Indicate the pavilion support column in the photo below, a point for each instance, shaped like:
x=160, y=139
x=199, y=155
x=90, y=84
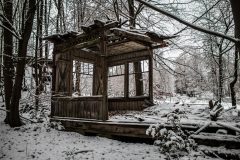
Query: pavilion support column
x=54, y=71
x=54, y=74
x=103, y=86
x=96, y=81
x=126, y=81
x=150, y=76
x=138, y=78
x=104, y=74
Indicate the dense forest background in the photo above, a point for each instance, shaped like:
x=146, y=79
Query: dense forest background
x=195, y=63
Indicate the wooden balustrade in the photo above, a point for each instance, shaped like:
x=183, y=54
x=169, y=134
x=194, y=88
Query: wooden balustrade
x=78, y=107
x=131, y=103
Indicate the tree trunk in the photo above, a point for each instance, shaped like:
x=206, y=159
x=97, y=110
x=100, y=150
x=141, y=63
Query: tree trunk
x=36, y=62
x=8, y=70
x=47, y=8
x=220, y=78
x=38, y=53
x=137, y=65
x=236, y=12
x=235, y=75
x=40, y=45
x=22, y=52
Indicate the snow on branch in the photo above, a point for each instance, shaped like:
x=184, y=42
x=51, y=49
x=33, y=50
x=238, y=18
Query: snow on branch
x=235, y=40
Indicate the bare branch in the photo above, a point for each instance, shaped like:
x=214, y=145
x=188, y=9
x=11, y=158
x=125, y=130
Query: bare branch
x=13, y=33
x=235, y=40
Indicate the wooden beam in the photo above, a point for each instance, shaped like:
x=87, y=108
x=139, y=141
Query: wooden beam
x=78, y=40
x=150, y=68
x=126, y=80
x=131, y=35
x=128, y=57
x=103, y=74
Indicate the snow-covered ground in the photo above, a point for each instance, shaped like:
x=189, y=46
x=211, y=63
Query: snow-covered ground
x=39, y=141
x=195, y=110
x=36, y=141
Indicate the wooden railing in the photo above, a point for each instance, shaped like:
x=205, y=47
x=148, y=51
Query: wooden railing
x=78, y=107
x=131, y=103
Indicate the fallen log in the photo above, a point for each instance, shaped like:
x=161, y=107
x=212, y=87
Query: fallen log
x=84, y=151
x=202, y=128
x=214, y=113
x=216, y=140
x=229, y=126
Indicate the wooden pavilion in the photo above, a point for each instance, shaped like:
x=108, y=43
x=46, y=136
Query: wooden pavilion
x=104, y=45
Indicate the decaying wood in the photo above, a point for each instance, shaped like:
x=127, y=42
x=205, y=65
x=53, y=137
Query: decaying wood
x=79, y=107
x=215, y=112
x=223, y=153
x=157, y=37
x=138, y=130
x=222, y=131
x=150, y=79
x=229, y=109
x=131, y=35
x=202, y=128
x=228, y=126
x=84, y=151
x=130, y=103
x=103, y=45
x=99, y=26
x=216, y=140
x=99, y=23
x=59, y=38
x=210, y=104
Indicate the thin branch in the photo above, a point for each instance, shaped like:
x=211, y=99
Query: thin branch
x=199, y=16
x=235, y=40
x=13, y=33
x=10, y=24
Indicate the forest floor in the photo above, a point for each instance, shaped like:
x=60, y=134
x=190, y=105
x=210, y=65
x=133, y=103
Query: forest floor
x=38, y=141
x=42, y=142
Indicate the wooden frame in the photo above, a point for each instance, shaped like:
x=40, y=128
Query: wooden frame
x=104, y=46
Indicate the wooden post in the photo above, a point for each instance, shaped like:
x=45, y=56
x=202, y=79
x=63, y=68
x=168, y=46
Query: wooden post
x=70, y=79
x=54, y=71
x=150, y=68
x=53, y=80
x=104, y=74
x=126, y=80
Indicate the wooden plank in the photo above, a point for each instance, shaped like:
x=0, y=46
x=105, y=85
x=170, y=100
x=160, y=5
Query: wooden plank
x=138, y=129
x=85, y=107
x=128, y=57
x=131, y=35
x=78, y=40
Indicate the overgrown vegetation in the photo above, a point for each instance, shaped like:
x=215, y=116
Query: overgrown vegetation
x=172, y=141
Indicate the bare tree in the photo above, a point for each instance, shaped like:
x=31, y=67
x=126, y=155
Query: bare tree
x=235, y=10
x=8, y=68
